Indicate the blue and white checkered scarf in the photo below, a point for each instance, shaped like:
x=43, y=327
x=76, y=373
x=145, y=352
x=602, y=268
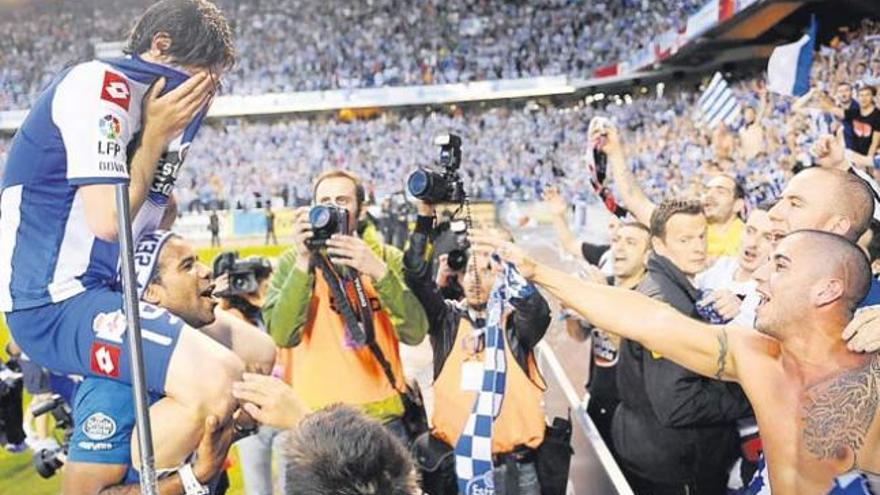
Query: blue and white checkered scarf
x=473, y=452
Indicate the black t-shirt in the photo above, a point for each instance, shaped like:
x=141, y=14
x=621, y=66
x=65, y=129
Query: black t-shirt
x=593, y=252
x=863, y=128
x=603, y=374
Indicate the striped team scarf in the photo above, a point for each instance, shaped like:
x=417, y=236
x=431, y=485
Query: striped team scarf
x=473, y=452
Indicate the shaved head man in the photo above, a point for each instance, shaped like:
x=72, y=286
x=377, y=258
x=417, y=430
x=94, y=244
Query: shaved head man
x=824, y=199
x=815, y=400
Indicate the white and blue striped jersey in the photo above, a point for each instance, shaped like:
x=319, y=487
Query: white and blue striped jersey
x=78, y=133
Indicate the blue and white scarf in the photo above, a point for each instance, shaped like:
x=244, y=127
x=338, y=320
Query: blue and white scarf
x=473, y=452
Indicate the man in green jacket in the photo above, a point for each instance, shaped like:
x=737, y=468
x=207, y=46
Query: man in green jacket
x=327, y=362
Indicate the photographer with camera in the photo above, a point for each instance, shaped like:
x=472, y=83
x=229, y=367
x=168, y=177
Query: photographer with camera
x=339, y=302
x=173, y=285
x=248, y=284
x=459, y=337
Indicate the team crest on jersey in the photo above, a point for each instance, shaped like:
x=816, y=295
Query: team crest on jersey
x=104, y=360
x=110, y=126
x=110, y=326
x=115, y=90
x=99, y=427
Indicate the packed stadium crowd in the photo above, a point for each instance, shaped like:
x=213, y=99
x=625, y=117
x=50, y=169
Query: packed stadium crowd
x=517, y=152
x=733, y=318
x=315, y=45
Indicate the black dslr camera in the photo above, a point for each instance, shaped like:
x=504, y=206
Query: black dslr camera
x=440, y=182
x=49, y=461
x=244, y=275
x=326, y=220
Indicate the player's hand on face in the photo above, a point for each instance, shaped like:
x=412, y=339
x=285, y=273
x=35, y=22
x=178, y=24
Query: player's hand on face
x=355, y=253
x=168, y=115
x=212, y=449
x=269, y=400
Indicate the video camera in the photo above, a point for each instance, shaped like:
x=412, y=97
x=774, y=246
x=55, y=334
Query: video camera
x=326, y=220
x=440, y=182
x=48, y=461
x=244, y=274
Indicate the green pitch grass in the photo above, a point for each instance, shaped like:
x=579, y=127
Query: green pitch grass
x=17, y=477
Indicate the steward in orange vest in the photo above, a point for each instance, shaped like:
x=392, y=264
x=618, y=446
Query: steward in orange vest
x=458, y=366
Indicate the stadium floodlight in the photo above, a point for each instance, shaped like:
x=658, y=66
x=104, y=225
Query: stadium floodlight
x=138, y=383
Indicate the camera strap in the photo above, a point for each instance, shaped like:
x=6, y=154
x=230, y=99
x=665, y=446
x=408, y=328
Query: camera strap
x=343, y=305
x=363, y=335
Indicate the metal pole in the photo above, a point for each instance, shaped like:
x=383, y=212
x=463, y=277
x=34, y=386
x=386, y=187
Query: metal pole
x=138, y=383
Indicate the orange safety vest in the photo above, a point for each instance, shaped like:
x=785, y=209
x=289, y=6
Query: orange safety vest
x=323, y=369
x=521, y=419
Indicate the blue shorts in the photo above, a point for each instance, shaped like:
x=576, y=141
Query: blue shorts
x=104, y=422
x=104, y=425
x=85, y=335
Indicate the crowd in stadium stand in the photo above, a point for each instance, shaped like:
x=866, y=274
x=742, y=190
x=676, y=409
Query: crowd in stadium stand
x=516, y=152
x=291, y=45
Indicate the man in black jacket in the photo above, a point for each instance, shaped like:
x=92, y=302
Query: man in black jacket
x=674, y=430
x=519, y=428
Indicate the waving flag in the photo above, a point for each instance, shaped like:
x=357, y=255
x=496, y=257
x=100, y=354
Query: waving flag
x=788, y=71
x=718, y=104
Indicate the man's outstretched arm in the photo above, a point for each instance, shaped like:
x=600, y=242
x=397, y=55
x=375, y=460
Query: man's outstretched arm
x=705, y=349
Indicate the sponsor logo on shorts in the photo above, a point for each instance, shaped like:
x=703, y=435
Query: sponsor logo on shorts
x=115, y=90
x=95, y=446
x=99, y=426
x=110, y=326
x=105, y=359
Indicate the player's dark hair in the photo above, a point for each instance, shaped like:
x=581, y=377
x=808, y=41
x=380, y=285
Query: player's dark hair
x=200, y=35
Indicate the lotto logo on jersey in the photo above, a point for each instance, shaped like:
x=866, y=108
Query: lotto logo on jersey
x=105, y=360
x=115, y=90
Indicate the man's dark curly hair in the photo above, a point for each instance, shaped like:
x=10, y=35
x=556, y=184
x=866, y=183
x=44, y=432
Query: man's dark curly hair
x=200, y=35
x=338, y=450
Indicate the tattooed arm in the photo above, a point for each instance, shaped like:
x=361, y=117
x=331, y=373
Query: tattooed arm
x=709, y=350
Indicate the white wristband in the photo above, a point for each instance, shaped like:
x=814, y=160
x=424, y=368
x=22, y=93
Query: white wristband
x=191, y=484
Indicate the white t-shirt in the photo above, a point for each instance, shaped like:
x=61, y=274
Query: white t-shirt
x=720, y=276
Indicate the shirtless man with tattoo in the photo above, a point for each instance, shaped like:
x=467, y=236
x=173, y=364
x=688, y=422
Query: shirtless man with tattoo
x=815, y=400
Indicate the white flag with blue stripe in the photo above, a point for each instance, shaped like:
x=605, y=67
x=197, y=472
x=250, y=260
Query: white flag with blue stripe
x=718, y=104
x=788, y=70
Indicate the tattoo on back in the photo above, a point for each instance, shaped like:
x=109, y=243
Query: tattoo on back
x=838, y=412
x=722, y=353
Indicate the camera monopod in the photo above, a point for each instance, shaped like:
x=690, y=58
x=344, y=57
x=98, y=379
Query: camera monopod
x=138, y=383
